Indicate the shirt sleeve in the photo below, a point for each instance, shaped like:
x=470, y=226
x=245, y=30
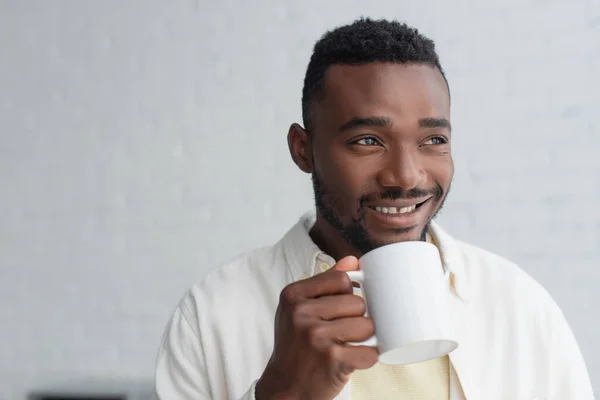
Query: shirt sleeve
x=181, y=370
x=569, y=375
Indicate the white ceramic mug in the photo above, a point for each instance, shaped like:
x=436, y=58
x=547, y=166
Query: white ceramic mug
x=406, y=293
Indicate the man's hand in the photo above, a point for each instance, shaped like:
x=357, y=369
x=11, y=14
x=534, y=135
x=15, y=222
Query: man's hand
x=314, y=320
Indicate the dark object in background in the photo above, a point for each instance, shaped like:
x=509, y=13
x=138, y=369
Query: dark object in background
x=75, y=396
x=94, y=388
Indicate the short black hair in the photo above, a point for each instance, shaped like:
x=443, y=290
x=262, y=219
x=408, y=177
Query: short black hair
x=361, y=42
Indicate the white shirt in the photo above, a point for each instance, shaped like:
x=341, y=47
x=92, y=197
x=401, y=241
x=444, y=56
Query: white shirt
x=514, y=342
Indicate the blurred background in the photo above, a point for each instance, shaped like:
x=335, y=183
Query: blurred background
x=142, y=143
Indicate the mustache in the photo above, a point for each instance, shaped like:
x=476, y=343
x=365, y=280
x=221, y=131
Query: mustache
x=399, y=193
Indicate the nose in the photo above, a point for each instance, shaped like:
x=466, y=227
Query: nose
x=403, y=170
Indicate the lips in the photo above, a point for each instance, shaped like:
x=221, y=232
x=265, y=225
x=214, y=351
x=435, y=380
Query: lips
x=397, y=207
x=397, y=214
x=395, y=210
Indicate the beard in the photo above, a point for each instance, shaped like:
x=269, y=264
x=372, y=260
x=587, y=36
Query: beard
x=355, y=233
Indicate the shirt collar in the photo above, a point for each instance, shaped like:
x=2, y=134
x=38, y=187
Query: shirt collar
x=452, y=260
x=302, y=253
x=300, y=250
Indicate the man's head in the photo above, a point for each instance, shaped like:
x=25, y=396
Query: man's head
x=376, y=136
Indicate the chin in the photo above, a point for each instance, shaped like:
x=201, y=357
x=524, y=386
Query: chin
x=416, y=234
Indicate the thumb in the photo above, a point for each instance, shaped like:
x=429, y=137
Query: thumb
x=349, y=263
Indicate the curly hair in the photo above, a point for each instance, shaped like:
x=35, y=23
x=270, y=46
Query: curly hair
x=361, y=42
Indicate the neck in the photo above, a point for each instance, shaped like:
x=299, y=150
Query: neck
x=329, y=240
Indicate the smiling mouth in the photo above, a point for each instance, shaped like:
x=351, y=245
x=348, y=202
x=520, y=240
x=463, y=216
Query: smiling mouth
x=397, y=210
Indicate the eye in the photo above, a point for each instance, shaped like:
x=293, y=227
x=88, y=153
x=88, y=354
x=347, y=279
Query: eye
x=367, y=141
x=436, y=140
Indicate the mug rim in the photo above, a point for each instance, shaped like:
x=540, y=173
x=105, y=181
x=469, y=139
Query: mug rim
x=398, y=244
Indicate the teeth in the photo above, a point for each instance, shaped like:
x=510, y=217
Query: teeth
x=394, y=210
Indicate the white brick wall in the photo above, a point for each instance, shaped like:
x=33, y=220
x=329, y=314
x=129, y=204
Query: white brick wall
x=143, y=142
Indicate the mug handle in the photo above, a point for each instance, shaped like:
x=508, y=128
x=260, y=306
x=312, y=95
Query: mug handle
x=359, y=277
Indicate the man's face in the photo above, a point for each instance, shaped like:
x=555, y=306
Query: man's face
x=381, y=160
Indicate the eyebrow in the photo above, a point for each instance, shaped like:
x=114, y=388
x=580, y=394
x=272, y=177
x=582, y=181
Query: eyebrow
x=385, y=122
x=356, y=122
x=435, y=123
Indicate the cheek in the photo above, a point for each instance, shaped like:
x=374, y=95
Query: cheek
x=449, y=172
x=346, y=179
x=441, y=170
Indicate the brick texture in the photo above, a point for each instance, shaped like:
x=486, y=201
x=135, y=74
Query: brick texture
x=143, y=142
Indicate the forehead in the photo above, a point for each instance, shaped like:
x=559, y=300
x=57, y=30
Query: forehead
x=402, y=92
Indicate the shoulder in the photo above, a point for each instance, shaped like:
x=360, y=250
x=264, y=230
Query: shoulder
x=238, y=288
x=242, y=270
x=492, y=280
x=493, y=276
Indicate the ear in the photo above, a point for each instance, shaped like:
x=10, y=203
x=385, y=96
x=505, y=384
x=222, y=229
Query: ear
x=300, y=145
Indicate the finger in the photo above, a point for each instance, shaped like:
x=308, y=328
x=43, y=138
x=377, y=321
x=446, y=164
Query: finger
x=333, y=307
x=358, y=357
x=343, y=330
x=348, y=358
x=328, y=283
x=349, y=263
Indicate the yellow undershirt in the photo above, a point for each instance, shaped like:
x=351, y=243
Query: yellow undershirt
x=428, y=380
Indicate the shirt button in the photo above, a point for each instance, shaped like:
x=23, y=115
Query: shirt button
x=324, y=267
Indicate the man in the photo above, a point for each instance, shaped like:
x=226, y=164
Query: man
x=275, y=323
